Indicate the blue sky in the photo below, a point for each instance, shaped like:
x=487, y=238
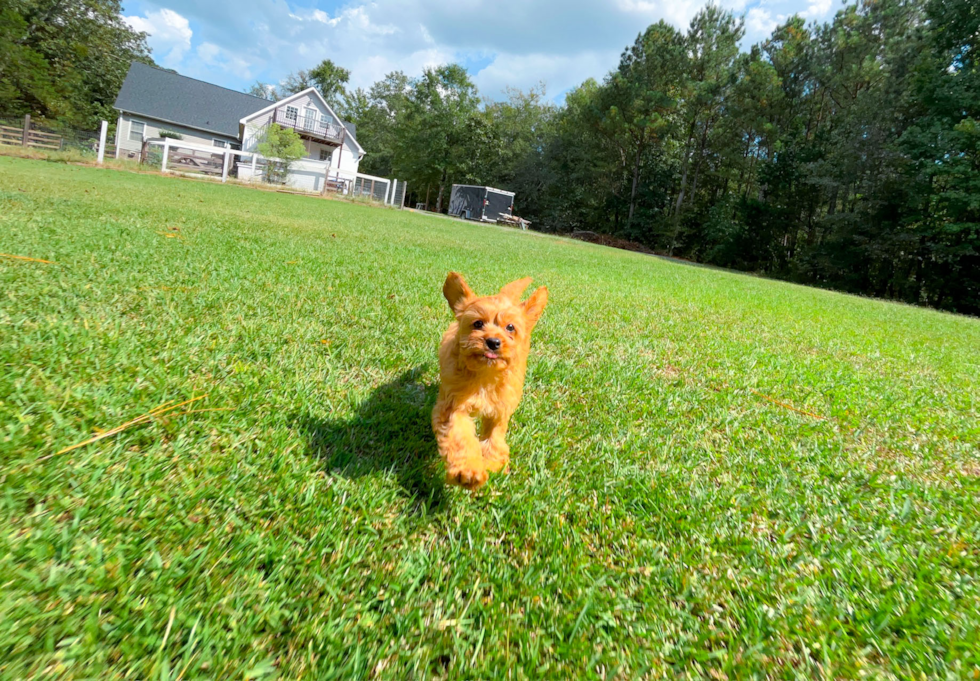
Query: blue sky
x=516, y=43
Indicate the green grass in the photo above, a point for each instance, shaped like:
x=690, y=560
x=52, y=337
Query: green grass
x=671, y=509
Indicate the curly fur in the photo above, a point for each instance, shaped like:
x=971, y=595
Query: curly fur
x=481, y=379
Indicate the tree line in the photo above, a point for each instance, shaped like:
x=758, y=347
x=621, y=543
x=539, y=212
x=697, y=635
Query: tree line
x=844, y=154
x=65, y=60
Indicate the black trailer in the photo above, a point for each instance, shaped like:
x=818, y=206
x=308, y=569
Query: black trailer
x=480, y=203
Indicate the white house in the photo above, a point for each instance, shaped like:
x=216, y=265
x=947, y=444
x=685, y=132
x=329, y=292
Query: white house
x=153, y=100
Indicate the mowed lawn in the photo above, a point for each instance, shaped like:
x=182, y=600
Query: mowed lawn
x=713, y=474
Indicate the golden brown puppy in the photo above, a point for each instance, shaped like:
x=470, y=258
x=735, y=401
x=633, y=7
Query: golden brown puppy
x=482, y=360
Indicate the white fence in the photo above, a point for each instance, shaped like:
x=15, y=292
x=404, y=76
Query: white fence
x=177, y=156
x=303, y=175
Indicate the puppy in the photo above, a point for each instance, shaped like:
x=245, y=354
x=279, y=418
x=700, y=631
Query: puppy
x=482, y=360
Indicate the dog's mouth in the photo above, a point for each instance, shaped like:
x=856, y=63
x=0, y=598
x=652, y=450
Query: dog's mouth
x=488, y=359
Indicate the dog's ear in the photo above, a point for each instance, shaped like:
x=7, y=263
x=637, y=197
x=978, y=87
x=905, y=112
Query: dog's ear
x=534, y=306
x=457, y=292
x=514, y=289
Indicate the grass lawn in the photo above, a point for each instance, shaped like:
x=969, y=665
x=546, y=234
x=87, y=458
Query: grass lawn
x=712, y=474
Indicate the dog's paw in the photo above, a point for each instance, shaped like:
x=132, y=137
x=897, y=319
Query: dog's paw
x=469, y=474
x=496, y=461
x=496, y=456
x=497, y=465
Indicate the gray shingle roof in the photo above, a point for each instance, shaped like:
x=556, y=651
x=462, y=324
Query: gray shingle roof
x=168, y=96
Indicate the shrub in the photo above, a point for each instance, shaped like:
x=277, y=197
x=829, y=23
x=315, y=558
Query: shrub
x=282, y=147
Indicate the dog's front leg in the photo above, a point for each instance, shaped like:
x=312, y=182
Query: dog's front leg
x=493, y=433
x=456, y=437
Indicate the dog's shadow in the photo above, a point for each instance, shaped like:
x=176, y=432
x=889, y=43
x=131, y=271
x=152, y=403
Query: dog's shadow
x=391, y=432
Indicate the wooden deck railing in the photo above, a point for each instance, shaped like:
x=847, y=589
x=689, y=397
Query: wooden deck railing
x=313, y=128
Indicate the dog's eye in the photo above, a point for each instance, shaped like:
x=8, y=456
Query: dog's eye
x=478, y=324
x=510, y=327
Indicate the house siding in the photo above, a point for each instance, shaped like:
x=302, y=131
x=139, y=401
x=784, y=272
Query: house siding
x=255, y=128
x=304, y=174
x=129, y=148
x=348, y=159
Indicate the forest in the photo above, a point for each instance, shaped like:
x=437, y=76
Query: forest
x=844, y=155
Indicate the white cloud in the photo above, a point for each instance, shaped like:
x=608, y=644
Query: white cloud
x=210, y=57
x=369, y=69
x=360, y=20
x=315, y=15
x=213, y=56
x=170, y=35
x=638, y=6
x=209, y=53
x=558, y=72
x=759, y=21
x=817, y=9
x=356, y=18
x=517, y=43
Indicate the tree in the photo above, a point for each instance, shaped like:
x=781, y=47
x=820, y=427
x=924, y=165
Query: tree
x=523, y=126
x=584, y=169
x=331, y=80
x=328, y=78
x=712, y=48
x=296, y=81
x=942, y=144
x=282, y=146
x=263, y=90
x=378, y=113
x=65, y=61
x=440, y=137
x=640, y=99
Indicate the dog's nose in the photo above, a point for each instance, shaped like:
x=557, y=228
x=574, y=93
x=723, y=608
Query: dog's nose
x=493, y=343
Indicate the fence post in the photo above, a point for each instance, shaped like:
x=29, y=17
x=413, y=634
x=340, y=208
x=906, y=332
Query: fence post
x=102, y=136
x=390, y=193
x=166, y=153
x=255, y=158
x=224, y=168
x=404, y=194
x=326, y=178
x=27, y=130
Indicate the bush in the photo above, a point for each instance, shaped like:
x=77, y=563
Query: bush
x=171, y=134
x=282, y=147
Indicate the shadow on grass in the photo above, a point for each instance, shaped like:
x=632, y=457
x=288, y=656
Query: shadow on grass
x=392, y=431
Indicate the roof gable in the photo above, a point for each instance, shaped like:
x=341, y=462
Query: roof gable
x=168, y=96
x=312, y=91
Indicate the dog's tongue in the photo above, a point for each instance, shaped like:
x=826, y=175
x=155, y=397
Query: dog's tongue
x=490, y=355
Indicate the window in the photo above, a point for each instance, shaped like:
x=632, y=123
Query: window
x=219, y=143
x=324, y=120
x=325, y=154
x=291, y=113
x=136, y=131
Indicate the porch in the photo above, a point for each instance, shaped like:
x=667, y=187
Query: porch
x=309, y=125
